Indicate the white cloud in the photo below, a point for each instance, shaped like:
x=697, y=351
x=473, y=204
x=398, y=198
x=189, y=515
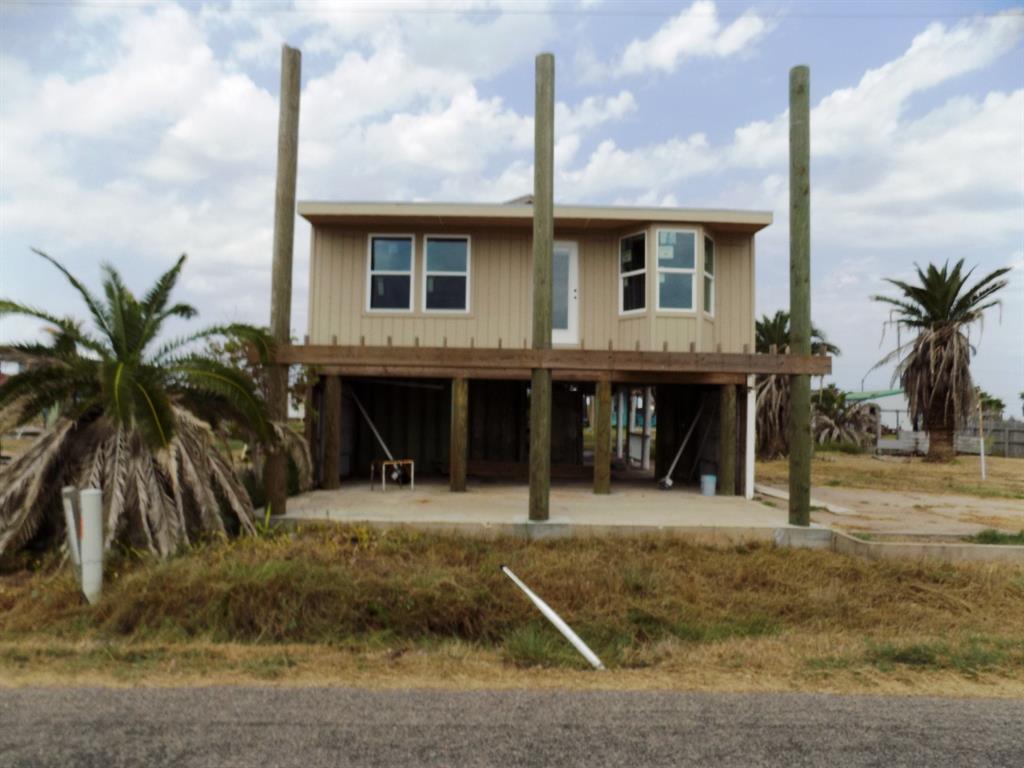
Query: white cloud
x=610, y=168
x=869, y=113
x=694, y=32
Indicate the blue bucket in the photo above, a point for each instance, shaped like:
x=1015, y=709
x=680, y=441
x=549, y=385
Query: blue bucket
x=707, y=485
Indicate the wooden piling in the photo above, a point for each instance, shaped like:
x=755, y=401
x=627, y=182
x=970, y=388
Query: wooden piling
x=276, y=468
x=603, y=437
x=332, y=432
x=799, y=293
x=543, y=242
x=727, y=441
x=458, y=450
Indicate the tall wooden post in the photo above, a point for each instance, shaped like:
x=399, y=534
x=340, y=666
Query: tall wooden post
x=458, y=447
x=332, y=432
x=276, y=469
x=603, y=438
x=799, y=293
x=727, y=441
x=543, y=242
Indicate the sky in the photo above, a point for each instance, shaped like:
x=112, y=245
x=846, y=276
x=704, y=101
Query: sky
x=131, y=132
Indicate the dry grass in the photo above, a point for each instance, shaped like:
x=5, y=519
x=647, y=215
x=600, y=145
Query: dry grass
x=347, y=605
x=1005, y=476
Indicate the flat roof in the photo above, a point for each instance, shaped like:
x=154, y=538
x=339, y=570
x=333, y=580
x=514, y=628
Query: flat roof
x=493, y=214
x=876, y=394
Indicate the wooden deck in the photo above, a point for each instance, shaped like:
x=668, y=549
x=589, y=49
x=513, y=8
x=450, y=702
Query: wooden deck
x=564, y=364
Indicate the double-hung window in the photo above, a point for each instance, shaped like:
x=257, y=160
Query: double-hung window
x=391, y=273
x=709, y=275
x=633, y=273
x=677, y=258
x=446, y=274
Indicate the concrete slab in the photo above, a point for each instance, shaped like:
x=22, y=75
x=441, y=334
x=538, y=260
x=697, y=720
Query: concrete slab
x=499, y=508
x=489, y=510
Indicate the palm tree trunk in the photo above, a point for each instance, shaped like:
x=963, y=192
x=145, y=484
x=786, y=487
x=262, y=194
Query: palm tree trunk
x=940, y=435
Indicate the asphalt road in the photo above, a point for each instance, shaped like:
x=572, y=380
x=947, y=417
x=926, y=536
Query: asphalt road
x=341, y=727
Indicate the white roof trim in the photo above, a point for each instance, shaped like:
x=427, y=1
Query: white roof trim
x=319, y=210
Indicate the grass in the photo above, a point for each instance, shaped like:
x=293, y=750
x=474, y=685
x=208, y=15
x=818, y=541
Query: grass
x=1005, y=476
x=350, y=604
x=992, y=536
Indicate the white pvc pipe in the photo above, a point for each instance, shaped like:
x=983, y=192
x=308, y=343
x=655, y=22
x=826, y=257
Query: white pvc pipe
x=619, y=418
x=751, y=443
x=71, y=528
x=645, y=461
x=981, y=438
x=92, y=543
x=555, y=619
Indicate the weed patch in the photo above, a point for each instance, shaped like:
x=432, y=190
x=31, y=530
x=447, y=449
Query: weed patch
x=992, y=536
x=635, y=601
x=968, y=657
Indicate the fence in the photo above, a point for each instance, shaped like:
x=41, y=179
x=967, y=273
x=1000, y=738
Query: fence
x=1001, y=439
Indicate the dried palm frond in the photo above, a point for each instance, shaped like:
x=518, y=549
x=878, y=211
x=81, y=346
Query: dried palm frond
x=834, y=420
x=133, y=419
x=934, y=366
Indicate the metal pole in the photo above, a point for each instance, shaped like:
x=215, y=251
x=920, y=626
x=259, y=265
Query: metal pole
x=799, y=293
x=543, y=243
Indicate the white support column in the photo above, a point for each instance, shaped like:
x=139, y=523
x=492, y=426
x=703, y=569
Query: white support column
x=751, y=438
x=645, y=458
x=619, y=418
x=631, y=412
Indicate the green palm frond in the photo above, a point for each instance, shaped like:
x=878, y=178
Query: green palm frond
x=96, y=309
x=774, y=331
x=258, y=338
x=933, y=367
x=233, y=387
x=131, y=420
x=65, y=327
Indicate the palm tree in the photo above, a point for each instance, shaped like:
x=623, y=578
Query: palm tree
x=934, y=367
x=835, y=420
x=135, y=418
x=773, y=391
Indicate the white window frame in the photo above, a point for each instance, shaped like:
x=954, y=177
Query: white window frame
x=370, y=272
x=622, y=275
x=675, y=271
x=427, y=274
x=705, y=275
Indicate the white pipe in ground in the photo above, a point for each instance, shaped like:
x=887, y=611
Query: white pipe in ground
x=71, y=528
x=92, y=543
x=555, y=619
x=751, y=440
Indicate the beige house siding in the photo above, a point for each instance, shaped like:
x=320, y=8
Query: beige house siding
x=500, y=288
x=734, y=294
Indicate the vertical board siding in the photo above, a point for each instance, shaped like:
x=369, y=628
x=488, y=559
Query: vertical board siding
x=500, y=295
x=734, y=294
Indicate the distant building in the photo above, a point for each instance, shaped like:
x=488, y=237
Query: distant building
x=893, y=409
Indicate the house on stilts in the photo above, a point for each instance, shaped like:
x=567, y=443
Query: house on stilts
x=420, y=319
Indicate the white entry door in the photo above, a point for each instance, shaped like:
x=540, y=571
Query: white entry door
x=565, y=294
